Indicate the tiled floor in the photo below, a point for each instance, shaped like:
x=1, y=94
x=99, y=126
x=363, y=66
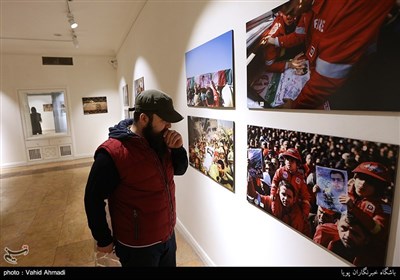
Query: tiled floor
x=42, y=207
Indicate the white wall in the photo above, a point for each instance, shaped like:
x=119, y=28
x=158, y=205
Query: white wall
x=89, y=76
x=224, y=228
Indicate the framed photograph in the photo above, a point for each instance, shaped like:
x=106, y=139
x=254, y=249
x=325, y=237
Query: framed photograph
x=332, y=190
x=210, y=74
x=48, y=107
x=139, y=86
x=94, y=105
x=125, y=95
x=290, y=65
x=211, y=149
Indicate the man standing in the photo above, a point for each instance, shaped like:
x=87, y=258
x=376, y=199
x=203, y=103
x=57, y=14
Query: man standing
x=134, y=170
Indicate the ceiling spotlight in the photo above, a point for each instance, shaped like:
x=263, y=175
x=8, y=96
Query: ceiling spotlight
x=72, y=22
x=73, y=25
x=74, y=39
x=75, y=42
x=70, y=16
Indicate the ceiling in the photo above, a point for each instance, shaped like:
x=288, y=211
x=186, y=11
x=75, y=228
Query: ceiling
x=41, y=26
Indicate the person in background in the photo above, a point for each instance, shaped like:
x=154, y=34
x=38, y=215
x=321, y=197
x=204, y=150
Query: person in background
x=36, y=119
x=134, y=169
x=291, y=173
x=367, y=218
x=365, y=201
x=352, y=242
x=288, y=211
x=322, y=222
x=284, y=42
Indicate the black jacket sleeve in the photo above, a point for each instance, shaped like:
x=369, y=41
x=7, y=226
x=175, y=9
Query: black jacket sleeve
x=179, y=160
x=103, y=179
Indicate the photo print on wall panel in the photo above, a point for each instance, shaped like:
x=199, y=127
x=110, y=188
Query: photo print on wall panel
x=336, y=191
x=125, y=95
x=210, y=74
x=303, y=55
x=139, y=86
x=212, y=149
x=94, y=105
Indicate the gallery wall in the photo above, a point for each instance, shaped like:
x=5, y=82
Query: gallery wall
x=222, y=226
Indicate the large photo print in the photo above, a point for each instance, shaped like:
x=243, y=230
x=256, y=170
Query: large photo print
x=336, y=191
x=330, y=55
x=210, y=75
x=211, y=149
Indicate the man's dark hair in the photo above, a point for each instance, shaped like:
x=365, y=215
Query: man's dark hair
x=136, y=116
x=336, y=172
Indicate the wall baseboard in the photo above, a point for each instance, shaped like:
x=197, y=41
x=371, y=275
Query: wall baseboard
x=189, y=238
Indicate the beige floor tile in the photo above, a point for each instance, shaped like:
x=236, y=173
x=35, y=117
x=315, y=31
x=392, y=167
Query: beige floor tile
x=185, y=255
x=75, y=214
x=75, y=254
x=74, y=232
x=50, y=212
x=12, y=233
x=29, y=201
x=193, y=263
x=25, y=216
x=41, y=226
x=42, y=240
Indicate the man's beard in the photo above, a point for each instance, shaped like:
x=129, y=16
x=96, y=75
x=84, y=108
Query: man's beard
x=156, y=140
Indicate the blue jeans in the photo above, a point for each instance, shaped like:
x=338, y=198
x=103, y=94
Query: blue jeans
x=161, y=254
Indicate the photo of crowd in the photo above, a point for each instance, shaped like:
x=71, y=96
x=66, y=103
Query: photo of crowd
x=325, y=55
x=139, y=86
x=211, y=149
x=336, y=191
x=209, y=73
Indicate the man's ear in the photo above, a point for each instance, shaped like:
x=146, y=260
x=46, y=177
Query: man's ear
x=143, y=118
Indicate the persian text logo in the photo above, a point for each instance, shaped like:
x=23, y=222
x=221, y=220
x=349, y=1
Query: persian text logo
x=9, y=256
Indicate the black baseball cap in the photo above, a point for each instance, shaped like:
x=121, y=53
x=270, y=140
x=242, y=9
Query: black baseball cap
x=157, y=102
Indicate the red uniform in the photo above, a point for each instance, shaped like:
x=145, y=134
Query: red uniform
x=271, y=53
x=283, y=40
x=325, y=233
x=340, y=34
x=291, y=216
x=296, y=179
x=372, y=212
x=298, y=36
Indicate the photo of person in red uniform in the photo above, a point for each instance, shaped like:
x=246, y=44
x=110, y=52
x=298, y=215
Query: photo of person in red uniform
x=346, y=45
x=291, y=172
x=361, y=191
x=286, y=207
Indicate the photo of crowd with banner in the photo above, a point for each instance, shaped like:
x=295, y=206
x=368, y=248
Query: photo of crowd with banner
x=304, y=55
x=211, y=149
x=209, y=73
x=336, y=191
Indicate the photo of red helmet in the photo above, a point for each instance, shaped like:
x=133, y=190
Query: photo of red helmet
x=374, y=169
x=293, y=153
